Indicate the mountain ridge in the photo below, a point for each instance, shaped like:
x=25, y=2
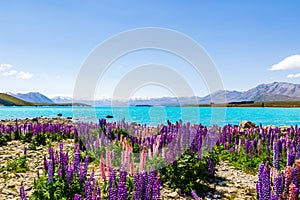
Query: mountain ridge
x=276, y=91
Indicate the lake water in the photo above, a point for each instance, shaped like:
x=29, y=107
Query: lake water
x=156, y=115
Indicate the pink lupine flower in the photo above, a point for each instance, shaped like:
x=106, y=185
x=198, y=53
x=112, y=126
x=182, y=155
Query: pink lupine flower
x=102, y=169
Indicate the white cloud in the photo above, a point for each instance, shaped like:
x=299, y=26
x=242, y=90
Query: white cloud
x=293, y=75
x=10, y=73
x=24, y=75
x=4, y=67
x=19, y=74
x=291, y=62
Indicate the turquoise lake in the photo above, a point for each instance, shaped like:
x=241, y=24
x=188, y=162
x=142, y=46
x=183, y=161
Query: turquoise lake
x=155, y=115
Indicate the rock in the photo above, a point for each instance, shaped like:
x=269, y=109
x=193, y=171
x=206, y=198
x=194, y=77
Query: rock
x=9, y=192
x=247, y=124
x=178, y=191
x=173, y=195
x=109, y=116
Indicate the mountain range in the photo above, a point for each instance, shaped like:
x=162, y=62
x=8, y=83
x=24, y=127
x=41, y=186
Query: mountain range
x=33, y=97
x=276, y=91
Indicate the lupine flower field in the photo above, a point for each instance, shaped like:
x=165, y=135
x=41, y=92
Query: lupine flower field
x=137, y=161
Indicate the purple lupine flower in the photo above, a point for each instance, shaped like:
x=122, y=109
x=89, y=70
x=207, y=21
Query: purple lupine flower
x=266, y=187
x=276, y=155
x=50, y=171
x=247, y=146
x=22, y=193
x=259, y=182
x=150, y=181
x=112, y=190
x=45, y=164
x=156, y=188
x=76, y=160
x=88, y=190
x=210, y=166
x=199, y=146
x=83, y=170
x=56, y=158
x=274, y=197
x=278, y=181
x=195, y=196
x=98, y=194
x=25, y=151
x=122, y=190
x=290, y=158
x=70, y=174
x=142, y=184
x=136, y=186
x=51, y=153
x=77, y=197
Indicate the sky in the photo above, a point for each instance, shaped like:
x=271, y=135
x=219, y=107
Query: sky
x=43, y=44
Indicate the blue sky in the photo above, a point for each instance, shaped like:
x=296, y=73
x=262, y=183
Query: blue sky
x=44, y=43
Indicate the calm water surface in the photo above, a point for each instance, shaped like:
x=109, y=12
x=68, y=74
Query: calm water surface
x=156, y=115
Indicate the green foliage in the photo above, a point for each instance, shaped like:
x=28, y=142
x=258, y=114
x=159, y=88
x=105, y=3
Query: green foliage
x=2, y=139
x=57, y=190
x=187, y=171
x=17, y=135
x=18, y=166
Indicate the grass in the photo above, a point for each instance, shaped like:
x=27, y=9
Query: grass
x=8, y=100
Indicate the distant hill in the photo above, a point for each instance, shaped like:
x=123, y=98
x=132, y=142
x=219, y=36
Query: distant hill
x=8, y=100
x=34, y=97
x=276, y=91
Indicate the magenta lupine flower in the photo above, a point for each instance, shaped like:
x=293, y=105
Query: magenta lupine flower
x=195, y=196
x=293, y=192
x=122, y=190
x=131, y=169
x=112, y=188
x=210, y=166
x=142, y=161
x=288, y=176
x=297, y=166
x=50, y=171
x=22, y=193
x=77, y=197
x=239, y=146
x=102, y=169
x=108, y=160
